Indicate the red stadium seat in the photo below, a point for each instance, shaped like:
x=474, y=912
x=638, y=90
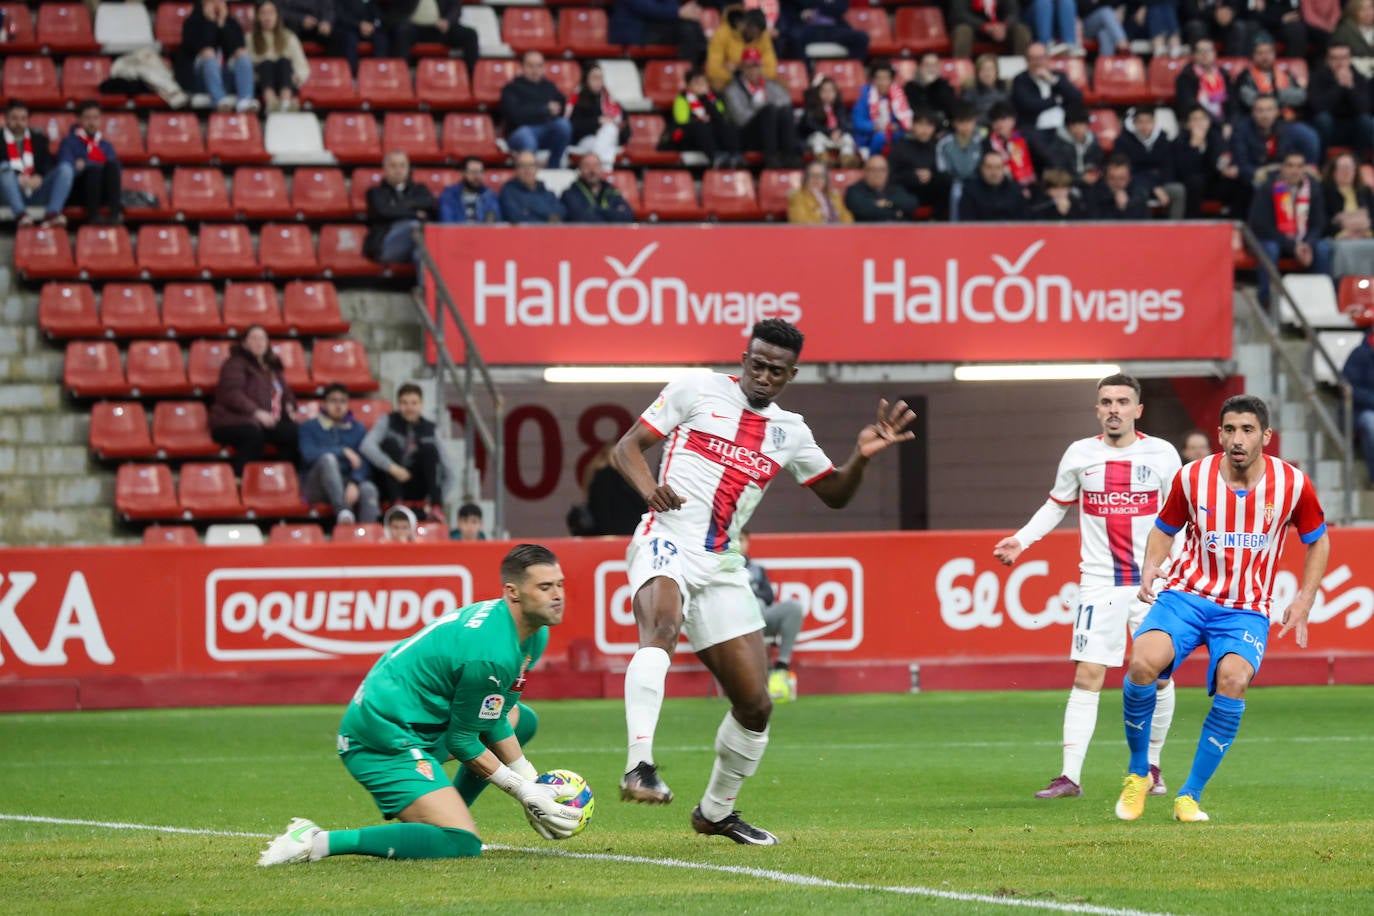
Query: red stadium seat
x=208, y=490
x=496, y=179
x=529, y=28
x=68, y=310
x=288, y=250
x=385, y=83
x=200, y=193
x=642, y=148
x=628, y=186
x=171, y=17
x=566, y=75
x=57, y=124
x=33, y=80
x=170, y=535
x=260, y=193
x=147, y=181
x=431, y=532
x=583, y=33
x=663, y=80
x=793, y=77
x=341, y=252
x=1121, y=81
x=293, y=368
x=849, y=74
x=774, y=186
x=1076, y=71
x=412, y=133
x=92, y=368
x=130, y=310
x=23, y=38
x=957, y=71
x=122, y=130
x=119, y=429
x=669, y=194
x=353, y=137
x=320, y=194
x=343, y=361
x=1164, y=73
x=843, y=178
x=181, y=429
x=105, y=252
x=65, y=28
x=489, y=77
x=191, y=310
x=175, y=138
x=921, y=29
x=437, y=180
x=312, y=307
x=235, y=139
x=250, y=303
x=202, y=368
x=156, y=369
x=1106, y=125
x=271, y=490
x=368, y=411
x=145, y=491
x=40, y=253
x=165, y=250
x=1357, y=299
x=878, y=27
x=359, y=183
x=330, y=85
x=1295, y=67
x=305, y=533
x=82, y=76
x=226, y=250
x=728, y=194
x=442, y=85
x=471, y=135
x=369, y=533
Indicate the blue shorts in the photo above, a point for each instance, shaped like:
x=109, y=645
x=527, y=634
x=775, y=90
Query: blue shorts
x=1192, y=621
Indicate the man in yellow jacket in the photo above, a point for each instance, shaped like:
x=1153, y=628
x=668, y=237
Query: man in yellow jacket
x=741, y=29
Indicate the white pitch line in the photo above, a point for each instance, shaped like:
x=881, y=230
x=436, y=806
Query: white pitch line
x=767, y=874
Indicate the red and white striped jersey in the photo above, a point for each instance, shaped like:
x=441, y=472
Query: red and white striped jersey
x=721, y=456
x=1234, y=538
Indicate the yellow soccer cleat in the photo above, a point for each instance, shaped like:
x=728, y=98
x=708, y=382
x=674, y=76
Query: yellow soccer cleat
x=1186, y=810
x=1131, y=804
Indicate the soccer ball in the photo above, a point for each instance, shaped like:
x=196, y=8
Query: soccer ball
x=573, y=791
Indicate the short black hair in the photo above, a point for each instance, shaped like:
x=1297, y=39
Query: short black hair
x=1001, y=110
x=925, y=114
x=879, y=65
x=469, y=160
x=409, y=388
x=1246, y=403
x=1116, y=160
x=15, y=104
x=692, y=74
x=470, y=510
x=963, y=111
x=1077, y=114
x=779, y=333
x=334, y=388
x=87, y=106
x=522, y=557
x=1121, y=378
x=1196, y=432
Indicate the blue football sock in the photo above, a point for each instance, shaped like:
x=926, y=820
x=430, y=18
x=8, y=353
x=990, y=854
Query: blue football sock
x=1218, y=733
x=1138, y=709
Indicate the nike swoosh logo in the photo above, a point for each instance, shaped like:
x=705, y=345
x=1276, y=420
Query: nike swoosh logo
x=721, y=416
x=1090, y=473
x=299, y=832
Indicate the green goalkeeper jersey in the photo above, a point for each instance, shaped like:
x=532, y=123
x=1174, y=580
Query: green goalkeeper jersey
x=450, y=684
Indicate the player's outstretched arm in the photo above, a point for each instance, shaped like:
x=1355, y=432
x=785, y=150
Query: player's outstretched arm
x=550, y=819
x=1313, y=568
x=628, y=458
x=1157, y=548
x=839, y=488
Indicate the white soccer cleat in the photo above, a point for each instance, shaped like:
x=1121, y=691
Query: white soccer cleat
x=294, y=846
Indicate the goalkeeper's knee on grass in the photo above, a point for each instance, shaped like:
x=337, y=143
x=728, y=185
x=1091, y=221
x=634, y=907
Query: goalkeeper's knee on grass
x=405, y=841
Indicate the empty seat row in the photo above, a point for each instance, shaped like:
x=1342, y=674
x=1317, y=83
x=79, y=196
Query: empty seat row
x=57, y=28
x=303, y=533
x=306, y=307
x=173, y=137
x=205, y=490
x=158, y=368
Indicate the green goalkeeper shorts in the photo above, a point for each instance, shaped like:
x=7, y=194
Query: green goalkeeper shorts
x=394, y=778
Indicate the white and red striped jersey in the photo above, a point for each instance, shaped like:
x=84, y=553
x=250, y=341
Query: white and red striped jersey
x=720, y=457
x=1234, y=538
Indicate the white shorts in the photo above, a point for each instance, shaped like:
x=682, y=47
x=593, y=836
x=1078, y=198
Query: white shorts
x=1106, y=613
x=717, y=602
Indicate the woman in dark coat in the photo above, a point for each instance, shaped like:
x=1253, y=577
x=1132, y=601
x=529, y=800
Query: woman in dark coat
x=253, y=404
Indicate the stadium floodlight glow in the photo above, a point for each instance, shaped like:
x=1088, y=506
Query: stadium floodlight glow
x=624, y=375
x=1034, y=372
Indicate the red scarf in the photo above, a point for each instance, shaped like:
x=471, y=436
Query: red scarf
x=886, y=119
x=1211, y=91
x=699, y=105
x=609, y=108
x=21, y=161
x=758, y=92
x=1291, y=208
x=1018, y=157
x=987, y=7
x=832, y=121
x=94, y=153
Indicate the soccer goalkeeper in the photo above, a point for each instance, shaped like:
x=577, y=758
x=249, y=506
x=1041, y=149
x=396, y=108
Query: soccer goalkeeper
x=449, y=689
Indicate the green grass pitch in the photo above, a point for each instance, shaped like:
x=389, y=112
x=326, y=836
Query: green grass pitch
x=879, y=801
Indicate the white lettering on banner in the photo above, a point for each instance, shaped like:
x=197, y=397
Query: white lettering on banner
x=1011, y=298
x=964, y=607
x=76, y=619
x=830, y=589
x=1357, y=603
x=531, y=301
x=319, y=613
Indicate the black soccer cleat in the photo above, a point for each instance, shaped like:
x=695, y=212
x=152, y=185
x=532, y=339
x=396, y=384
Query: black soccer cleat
x=643, y=785
x=733, y=827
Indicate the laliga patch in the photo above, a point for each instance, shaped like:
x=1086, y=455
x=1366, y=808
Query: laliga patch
x=425, y=769
x=492, y=706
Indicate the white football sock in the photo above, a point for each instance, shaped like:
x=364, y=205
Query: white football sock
x=1163, y=718
x=319, y=846
x=644, y=688
x=738, y=752
x=1080, y=720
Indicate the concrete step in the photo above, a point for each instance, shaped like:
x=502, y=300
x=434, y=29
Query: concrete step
x=21, y=340
x=37, y=367
x=17, y=308
x=25, y=398
x=45, y=428
x=35, y=491
x=53, y=460
x=38, y=527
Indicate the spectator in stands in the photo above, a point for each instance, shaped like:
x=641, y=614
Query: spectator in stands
x=610, y=506
x=332, y=466
x=816, y=201
x=988, y=89
x=1152, y=161
x=592, y=199
x=1356, y=30
x=762, y=112
x=1206, y=85
x=524, y=199
x=399, y=525
x=991, y=196
x=407, y=22
x=659, y=22
x=278, y=60
x=1075, y=148
x=958, y=152
x=1102, y=25
x=1341, y=103
x=1115, y=197
x=1196, y=446
x=95, y=168
x=1263, y=76
x=533, y=109
x=1264, y=138
x=1056, y=18
x=1005, y=140
x=742, y=30
x=1229, y=23
x=929, y=89
x=214, y=59
x=30, y=175
x=1283, y=20
x=701, y=124
x=469, y=526
x=995, y=21
x=1041, y=96
x=409, y=462
x=1060, y=204
x=339, y=25
x=916, y=164
x=1288, y=216
x=881, y=114
x=808, y=21
x=1322, y=18
x=1204, y=164
x=253, y=404
x=598, y=123
x=1359, y=372
x=1349, y=204
x=470, y=200
x=878, y=200
x=396, y=207
x=782, y=618
x=825, y=126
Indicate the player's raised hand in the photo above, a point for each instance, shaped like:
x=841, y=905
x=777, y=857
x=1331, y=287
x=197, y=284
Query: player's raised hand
x=663, y=499
x=1007, y=551
x=890, y=428
x=1295, y=619
x=1148, y=575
